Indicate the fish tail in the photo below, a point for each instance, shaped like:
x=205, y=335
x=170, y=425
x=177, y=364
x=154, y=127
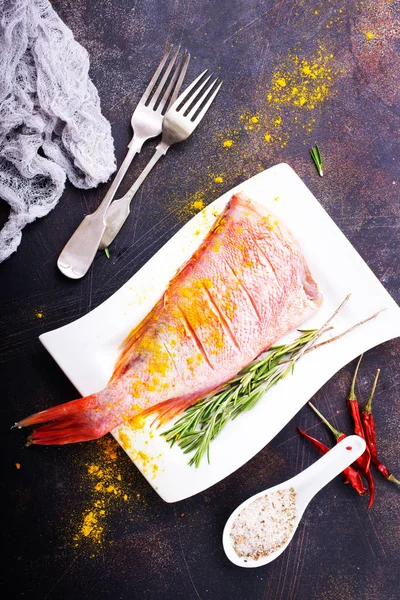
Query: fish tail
x=65, y=424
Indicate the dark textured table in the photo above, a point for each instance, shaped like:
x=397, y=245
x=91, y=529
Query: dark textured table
x=341, y=58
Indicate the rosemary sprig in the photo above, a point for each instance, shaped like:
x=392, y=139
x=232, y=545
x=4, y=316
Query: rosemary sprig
x=316, y=156
x=200, y=424
x=107, y=252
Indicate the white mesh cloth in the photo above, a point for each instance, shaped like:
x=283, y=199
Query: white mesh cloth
x=51, y=126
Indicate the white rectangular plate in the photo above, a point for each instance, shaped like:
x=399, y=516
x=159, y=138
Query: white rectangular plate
x=86, y=350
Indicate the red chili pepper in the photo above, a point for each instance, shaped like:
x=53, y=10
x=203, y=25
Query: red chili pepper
x=322, y=449
x=354, y=478
x=364, y=461
x=359, y=463
x=370, y=434
x=351, y=475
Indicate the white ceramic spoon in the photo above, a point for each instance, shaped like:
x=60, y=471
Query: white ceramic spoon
x=306, y=484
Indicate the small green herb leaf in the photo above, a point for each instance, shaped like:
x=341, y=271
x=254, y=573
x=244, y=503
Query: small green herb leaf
x=316, y=156
x=107, y=252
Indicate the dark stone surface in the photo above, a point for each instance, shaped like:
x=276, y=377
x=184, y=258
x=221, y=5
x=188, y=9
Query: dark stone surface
x=152, y=549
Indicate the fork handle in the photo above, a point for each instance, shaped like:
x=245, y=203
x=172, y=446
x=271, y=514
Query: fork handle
x=118, y=212
x=135, y=145
x=80, y=250
x=160, y=150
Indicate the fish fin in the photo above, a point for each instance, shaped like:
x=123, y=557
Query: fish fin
x=65, y=424
x=167, y=410
x=309, y=285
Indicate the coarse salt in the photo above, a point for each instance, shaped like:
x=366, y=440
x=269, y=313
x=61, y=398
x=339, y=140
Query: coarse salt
x=265, y=525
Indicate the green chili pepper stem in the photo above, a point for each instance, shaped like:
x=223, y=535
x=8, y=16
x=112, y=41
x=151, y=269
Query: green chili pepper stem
x=335, y=432
x=368, y=406
x=352, y=395
x=393, y=478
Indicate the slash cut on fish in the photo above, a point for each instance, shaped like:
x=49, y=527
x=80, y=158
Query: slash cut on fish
x=246, y=286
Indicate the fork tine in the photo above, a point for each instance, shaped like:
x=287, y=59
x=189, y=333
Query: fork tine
x=207, y=105
x=181, y=100
x=174, y=86
x=160, y=86
x=199, y=98
x=180, y=79
x=153, y=80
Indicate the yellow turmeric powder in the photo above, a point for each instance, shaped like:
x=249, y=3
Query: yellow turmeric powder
x=287, y=105
x=198, y=205
x=301, y=81
x=148, y=464
x=298, y=88
x=106, y=487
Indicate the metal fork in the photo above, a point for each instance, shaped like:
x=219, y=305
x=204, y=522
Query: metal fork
x=179, y=122
x=146, y=123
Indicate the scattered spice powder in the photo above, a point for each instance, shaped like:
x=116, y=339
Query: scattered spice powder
x=106, y=487
x=18, y=465
x=198, y=205
x=288, y=105
x=91, y=525
x=298, y=86
x=265, y=525
x=374, y=47
x=194, y=203
x=148, y=464
x=290, y=101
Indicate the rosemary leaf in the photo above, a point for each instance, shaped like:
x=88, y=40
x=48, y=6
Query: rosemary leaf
x=316, y=156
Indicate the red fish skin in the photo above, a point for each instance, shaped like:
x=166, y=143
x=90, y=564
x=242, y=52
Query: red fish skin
x=245, y=287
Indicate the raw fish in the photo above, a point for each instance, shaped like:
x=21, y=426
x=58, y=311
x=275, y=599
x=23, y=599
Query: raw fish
x=245, y=287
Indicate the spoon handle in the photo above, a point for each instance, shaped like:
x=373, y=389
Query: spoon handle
x=331, y=464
